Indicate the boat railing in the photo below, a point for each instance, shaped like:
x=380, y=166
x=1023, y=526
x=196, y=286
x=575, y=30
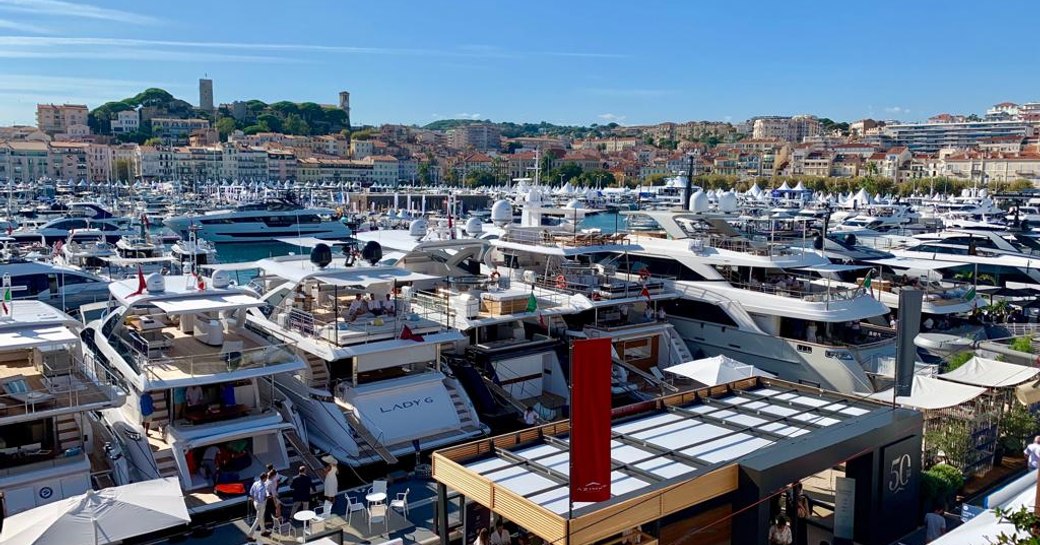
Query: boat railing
x=72, y=384
x=700, y=242
x=338, y=326
x=818, y=294
x=232, y=358
x=448, y=303
x=562, y=239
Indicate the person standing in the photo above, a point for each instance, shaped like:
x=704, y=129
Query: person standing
x=501, y=536
x=274, y=507
x=1032, y=453
x=800, y=514
x=147, y=412
x=780, y=532
x=482, y=537
x=934, y=524
x=179, y=400
x=530, y=417
x=302, y=489
x=258, y=495
x=331, y=485
x=194, y=396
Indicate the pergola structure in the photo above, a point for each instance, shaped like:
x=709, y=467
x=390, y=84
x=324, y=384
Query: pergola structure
x=673, y=454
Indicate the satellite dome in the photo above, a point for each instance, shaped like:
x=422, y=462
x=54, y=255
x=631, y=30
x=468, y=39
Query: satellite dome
x=220, y=279
x=155, y=283
x=474, y=227
x=699, y=202
x=321, y=255
x=417, y=228
x=372, y=252
x=502, y=213
x=728, y=202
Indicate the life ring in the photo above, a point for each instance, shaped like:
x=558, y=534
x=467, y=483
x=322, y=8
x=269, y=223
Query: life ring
x=561, y=281
x=495, y=275
x=644, y=274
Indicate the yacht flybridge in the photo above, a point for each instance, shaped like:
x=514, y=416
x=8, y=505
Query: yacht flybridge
x=757, y=302
x=45, y=437
x=263, y=221
x=180, y=345
x=373, y=388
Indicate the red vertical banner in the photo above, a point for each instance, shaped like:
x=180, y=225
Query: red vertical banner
x=590, y=420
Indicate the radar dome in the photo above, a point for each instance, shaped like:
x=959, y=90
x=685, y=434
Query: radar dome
x=220, y=279
x=502, y=213
x=155, y=283
x=321, y=255
x=372, y=252
x=699, y=201
x=728, y=202
x=574, y=204
x=417, y=228
x=474, y=227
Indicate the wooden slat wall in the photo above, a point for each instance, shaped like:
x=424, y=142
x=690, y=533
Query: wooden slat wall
x=463, y=481
x=650, y=507
x=528, y=515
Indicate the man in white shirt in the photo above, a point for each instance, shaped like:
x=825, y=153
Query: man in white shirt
x=500, y=536
x=1032, y=453
x=258, y=495
x=389, y=306
x=357, y=306
x=194, y=396
x=530, y=417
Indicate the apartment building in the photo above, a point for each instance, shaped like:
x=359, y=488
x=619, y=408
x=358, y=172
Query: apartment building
x=478, y=136
x=281, y=164
x=932, y=137
x=62, y=118
x=24, y=161
x=317, y=169
x=991, y=167
x=384, y=169
x=788, y=129
x=126, y=121
x=176, y=129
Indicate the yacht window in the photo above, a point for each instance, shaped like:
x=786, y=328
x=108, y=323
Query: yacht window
x=697, y=310
x=34, y=284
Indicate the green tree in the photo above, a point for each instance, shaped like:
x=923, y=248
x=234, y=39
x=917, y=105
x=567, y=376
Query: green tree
x=564, y=173
x=655, y=179
x=270, y=122
x=294, y=124
x=154, y=141
x=226, y=126
x=478, y=178
x=1026, y=523
x=424, y=173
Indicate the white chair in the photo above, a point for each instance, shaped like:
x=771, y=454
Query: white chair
x=378, y=487
x=401, y=501
x=377, y=513
x=285, y=528
x=352, y=506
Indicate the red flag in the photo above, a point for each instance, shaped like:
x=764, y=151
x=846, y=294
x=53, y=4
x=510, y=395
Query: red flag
x=408, y=335
x=201, y=281
x=140, y=282
x=590, y=420
x=645, y=293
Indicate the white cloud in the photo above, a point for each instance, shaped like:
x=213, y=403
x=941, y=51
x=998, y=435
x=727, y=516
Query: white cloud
x=60, y=8
x=614, y=118
x=896, y=110
x=466, y=116
x=24, y=27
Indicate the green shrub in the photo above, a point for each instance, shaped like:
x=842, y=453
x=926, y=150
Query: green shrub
x=958, y=360
x=1017, y=424
x=940, y=483
x=1022, y=344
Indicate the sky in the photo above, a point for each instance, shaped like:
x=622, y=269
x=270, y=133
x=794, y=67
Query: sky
x=565, y=62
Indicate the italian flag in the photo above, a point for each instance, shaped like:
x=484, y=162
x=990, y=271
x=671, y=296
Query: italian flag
x=6, y=303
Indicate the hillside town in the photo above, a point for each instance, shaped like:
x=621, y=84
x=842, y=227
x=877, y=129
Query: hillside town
x=162, y=138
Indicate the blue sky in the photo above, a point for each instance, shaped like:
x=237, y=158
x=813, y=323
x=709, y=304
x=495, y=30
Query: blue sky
x=559, y=61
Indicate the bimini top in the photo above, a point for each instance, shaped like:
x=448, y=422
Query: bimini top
x=299, y=268
x=181, y=295
x=35, y=324
x=671, y=440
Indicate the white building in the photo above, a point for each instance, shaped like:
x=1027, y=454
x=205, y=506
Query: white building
x=126, y=121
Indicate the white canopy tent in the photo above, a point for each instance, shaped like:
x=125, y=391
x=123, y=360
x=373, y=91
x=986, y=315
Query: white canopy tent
x=716, y=370
x=97, y=518
x=929, y=394
x=991, y=373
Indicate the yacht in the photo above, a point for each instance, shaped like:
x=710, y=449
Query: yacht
x=373, y=388
x=57, y=285
x=261, y=222
x=993, y=257
x=85, y=249
x=758, y=303
x=46, y=443
x=59, y=229
x=173, y=339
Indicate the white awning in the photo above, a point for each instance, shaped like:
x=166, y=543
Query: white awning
x=991, y=373
x=915, y=264
x=117, y=260
x=931, y=394
x=716, y=370
x=36, y=337
x=364, y=277
x=207, y=303
x=310, y=242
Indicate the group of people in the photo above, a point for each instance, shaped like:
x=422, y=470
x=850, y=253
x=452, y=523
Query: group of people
x=499, y=536
x=373, y=305
x=264, y=496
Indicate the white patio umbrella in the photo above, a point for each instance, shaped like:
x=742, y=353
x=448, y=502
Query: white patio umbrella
x=716, y=370
x=98, y=518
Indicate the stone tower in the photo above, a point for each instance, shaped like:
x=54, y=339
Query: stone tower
x=206, y=94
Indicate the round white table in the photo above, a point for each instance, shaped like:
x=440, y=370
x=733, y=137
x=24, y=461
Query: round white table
x=376, y=497
x=305, y=517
